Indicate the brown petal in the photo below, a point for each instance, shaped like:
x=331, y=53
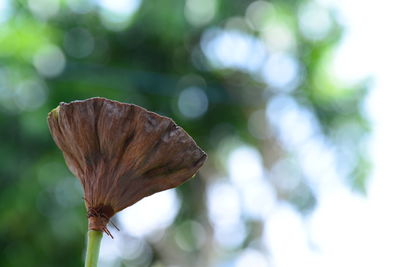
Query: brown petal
x=122, y=152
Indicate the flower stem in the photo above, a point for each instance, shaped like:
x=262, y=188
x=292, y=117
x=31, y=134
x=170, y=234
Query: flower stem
x=93, y=248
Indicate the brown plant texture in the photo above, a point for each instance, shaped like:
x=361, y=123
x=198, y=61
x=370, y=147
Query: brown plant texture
x=121, y=153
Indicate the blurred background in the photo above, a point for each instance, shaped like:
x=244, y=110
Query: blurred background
x=294, y=101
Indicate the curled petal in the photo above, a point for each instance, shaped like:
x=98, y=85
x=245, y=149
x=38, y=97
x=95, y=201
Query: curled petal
x=121, y=153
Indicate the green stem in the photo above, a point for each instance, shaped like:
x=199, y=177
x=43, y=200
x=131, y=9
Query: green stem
x=93, y=248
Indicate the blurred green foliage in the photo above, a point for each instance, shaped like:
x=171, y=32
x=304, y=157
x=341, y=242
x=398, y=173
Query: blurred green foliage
x=59, y=51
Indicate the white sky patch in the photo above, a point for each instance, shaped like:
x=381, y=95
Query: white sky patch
x=286, y=238
x=223, y=203
x=376, y=51
x=123, y=247
x=109, y=252
x=152, y=213
x=245, y=166
x=120, y=7
x=116, y=14
x=344, y=230
x=251, y=257
x=247, y=173
x=361, y=49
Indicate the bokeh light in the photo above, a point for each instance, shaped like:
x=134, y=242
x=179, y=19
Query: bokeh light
x=200, y=12
x=192, y=102
x=249, y=52
x=79, y=42
x=138, y=221
x=190, y=236
x=315, y=21
x=80, y=6
x=252, y=257
x=30, y=94
x=44, y=9
x=257, y=14
x=282, y=72
x=116, y=15
x=225, y=214
x=248, y=175
x=5, y=10
x=49, y=61
x=278, y=37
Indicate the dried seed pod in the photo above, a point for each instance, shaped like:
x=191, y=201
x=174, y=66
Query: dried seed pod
x=121, y=153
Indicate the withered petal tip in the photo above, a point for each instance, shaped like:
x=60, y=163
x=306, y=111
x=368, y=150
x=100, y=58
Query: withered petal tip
x=54, y=112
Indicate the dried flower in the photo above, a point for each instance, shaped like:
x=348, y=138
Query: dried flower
x=121, y=153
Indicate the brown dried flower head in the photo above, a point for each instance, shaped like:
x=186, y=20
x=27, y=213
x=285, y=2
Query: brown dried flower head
x=121, y=153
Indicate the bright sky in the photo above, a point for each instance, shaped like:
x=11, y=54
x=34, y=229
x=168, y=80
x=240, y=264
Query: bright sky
x=372, y=45
x=346, y=229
